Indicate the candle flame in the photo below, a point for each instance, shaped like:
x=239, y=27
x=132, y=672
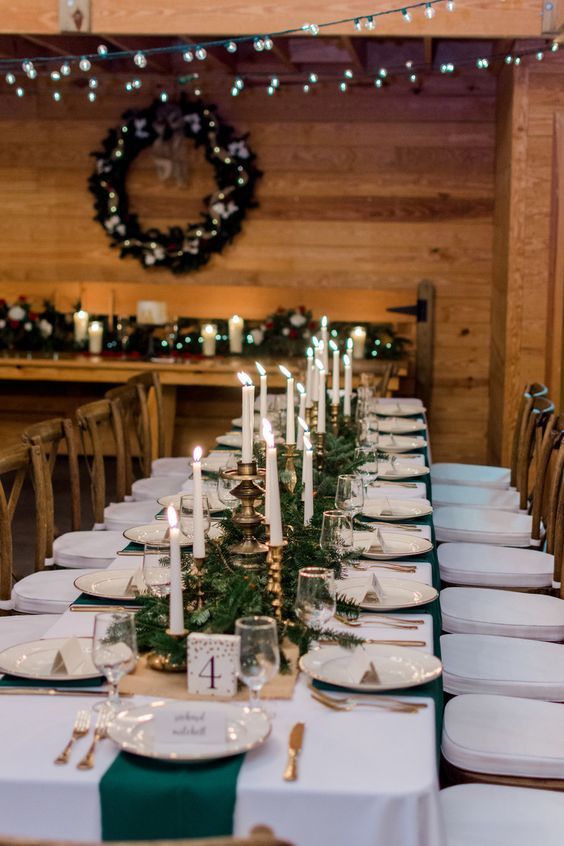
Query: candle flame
x=333, y=346
x=319, y=365
x=300, y=388
x=303, y=424
x=284, y=371
x=309, y=352
x=307, y=442
x=324, y=321
x=349, y=343
x=197, y=454
x=267, y=432
x=358, y=330
x=260, y=368
x=315, y=340
x=244, y=378
x=172, y=517
x=236, y=319
x=346, y=360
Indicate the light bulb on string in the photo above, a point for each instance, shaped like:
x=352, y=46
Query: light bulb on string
x=188, y=56
x=239, y=83
x=268, y=43
x=451, y=5
x=271, y=90
x=140, y=59
x=508, y=60
x=128, y=86
x=92, y=96
x=10, y=78
x=231, y=47
x=57, y=97
x=19, y=92
x=93, y=82
x=306, y=88
x=383, y=73
x=258, y=44
x=32, y=73
x=482, y=64
x=136, y=83
x=313, y=77
x=517, y=60
x=406, y=15
x=342, y=87
x=413, y=77
x=555, y=46
x=102, y=50
x=65, y=69
x=55, y=76
x=357, y=24
x=201, y=53
x=234, y=91
x=275, y=82
x=540, y=56
x=163, y=97
x=85, y=64
x=27, y=65
x=313, y=29
x=348, y=73
x=429, y=11
x=378, y=83
x=370, y=24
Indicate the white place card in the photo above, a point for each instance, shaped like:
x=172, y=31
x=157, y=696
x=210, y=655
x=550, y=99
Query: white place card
x=187, y=724
x=213, y=661
x=358, y=588
x=136, y=584
x=68, y=658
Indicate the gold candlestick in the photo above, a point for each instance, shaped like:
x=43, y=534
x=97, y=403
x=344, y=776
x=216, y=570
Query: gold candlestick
x=290, y=476
x=313, y=423
x=320, y=449
x=335, y=418
x=274, y=585
x=308, y=412
x=247, y=518
x=347, y=419
x=198, y=572
x=164, y=663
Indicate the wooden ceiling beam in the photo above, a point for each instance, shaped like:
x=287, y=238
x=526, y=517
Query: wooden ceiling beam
x=282, y=52
x=153, y=63
x=429, y=47
x=501, y=48
x=44, y=44
x=355, y=52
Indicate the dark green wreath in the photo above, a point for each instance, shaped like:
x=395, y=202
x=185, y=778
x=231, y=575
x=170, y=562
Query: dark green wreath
x=182, y=249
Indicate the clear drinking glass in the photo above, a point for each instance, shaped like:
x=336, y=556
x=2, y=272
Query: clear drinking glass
x=224, y=488
x=315, y=597
x=187, y=514
x=156, y=568
x=336, y=531
x=259, y=656
x=368, y=470
x=349, y=495
x=114, y=649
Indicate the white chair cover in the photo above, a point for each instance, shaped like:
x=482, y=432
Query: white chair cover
x=479, y=525
x=486, y=566
x=153, y=487
x=95, y=550
x=474, y=497
x=469, y=610
x=172, y=466
x=46, y=592
x=119, y=516
x=479, y=475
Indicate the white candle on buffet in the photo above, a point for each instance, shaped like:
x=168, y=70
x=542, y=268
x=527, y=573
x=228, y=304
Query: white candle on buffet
x=321, y=397
x=307, y=478
x=301, y=414
x=236, y=334
x=209, y=331
x=176, y=603
x=348, y=386
x=95, y=336
x=263, y=409
x=325, y=341
x=247, y=413
x=309, y=377
x=199, y=548
x=335, y=397
x=80, y=320
x=290, y=419
x=358, y=336
x=273, y=490
x=303, y=429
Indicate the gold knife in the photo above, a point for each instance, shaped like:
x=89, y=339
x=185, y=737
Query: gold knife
x=295, y=743
x=52, y=691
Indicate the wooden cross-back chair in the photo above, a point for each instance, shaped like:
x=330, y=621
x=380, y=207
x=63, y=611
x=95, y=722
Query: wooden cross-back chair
x=95, y=420
x=548, y=465
x=533, y=391
x=151, y=381
x=536, y=424
x=15, y=462
x=130, y=402
x=48, y=436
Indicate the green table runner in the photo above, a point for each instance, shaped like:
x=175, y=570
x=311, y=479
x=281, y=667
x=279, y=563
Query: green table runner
x=15, y=681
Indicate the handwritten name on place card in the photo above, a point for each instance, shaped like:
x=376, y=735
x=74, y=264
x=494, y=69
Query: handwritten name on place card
x=182, y=725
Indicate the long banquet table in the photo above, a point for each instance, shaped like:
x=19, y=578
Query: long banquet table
x=365, y=777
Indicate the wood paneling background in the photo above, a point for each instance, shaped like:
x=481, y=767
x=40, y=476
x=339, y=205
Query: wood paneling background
x=373, y=190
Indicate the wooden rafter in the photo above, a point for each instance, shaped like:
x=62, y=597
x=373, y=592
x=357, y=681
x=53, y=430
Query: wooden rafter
x=429, y=47
x=55, y=49
x=501, y=49
x=282, y=53
x=217, y=56
x=354, y=51
x=154, y=63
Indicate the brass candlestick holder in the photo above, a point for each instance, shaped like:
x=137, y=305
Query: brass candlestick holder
x=164, y=663
x=198, y=564
x=320, y=449
x=274, y=584
x=247, y=518
x=347, y=419
x=308, y=412
x=313, y=417
x=290, y=475
x=335, y=419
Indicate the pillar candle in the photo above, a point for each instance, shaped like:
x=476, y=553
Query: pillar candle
x=236, y=334
x=247, y=413
x=325, y=340
x=290, y=419
x=335, y=398
x=95, y=336
x=321, y=397
x=358, y=336
x=301, y=414
x=308, y=480
x=199, y=548
x=348, y=386
x=263, y=410
x=309, y=377
x=272, y=487
x=80, y=320
x=209, y=331
x=176, y=604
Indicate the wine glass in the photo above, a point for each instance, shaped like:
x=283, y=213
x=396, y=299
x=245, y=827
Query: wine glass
x=224, y=487
x=259, y=654
x=368, y=469
x=187, y=514
x=114, y=650
x=315, y=597
x=336, y=532
x=156, y=568
x=349, y=495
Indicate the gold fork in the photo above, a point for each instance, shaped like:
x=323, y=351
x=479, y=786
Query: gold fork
x=368, y=622
x=80, y=729
x=342, y=705
x=100, y=732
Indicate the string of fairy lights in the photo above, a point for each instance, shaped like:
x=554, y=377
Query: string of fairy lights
x=18, y=72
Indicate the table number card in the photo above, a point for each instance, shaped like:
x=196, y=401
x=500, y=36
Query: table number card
x=212, y=664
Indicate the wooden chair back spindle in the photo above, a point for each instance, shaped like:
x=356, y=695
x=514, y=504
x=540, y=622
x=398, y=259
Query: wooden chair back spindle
x=131, y=401
x=531, y=392
x=93, y=418
x=153, y=388
x=530, y=447
x=547, y=464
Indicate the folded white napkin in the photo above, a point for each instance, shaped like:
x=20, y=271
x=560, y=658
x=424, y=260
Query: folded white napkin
x=397, y=490
x=366, y=539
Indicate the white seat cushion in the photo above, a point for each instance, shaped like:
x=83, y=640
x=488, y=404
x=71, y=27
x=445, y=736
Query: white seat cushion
x=154, y=487
x=479, y=525
x=94, y=550
x=14, y=630
x=119, y=516
x=501, y=566
x=468, y=610
x=471, y=474
x=496, y=815
x=504, y=735
x=507, y=666
x=172, y=466
x=46, y=592
x=474, y=497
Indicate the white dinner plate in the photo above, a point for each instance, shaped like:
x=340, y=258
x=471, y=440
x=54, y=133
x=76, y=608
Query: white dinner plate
x=399, y=409
x=133, y=731
x=400, y=425
x=400, y=593
x=230, y=439
x=237, y=422
x=401, y=509
x=396, y=545
x=34, y=660
x=211, y=493
x=107, y=584
x=397, y=667
x=401, y=470
x=157, y=533
x=399, y=444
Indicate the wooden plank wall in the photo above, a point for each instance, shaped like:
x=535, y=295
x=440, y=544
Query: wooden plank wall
x=531, y=97
x=374, y=190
